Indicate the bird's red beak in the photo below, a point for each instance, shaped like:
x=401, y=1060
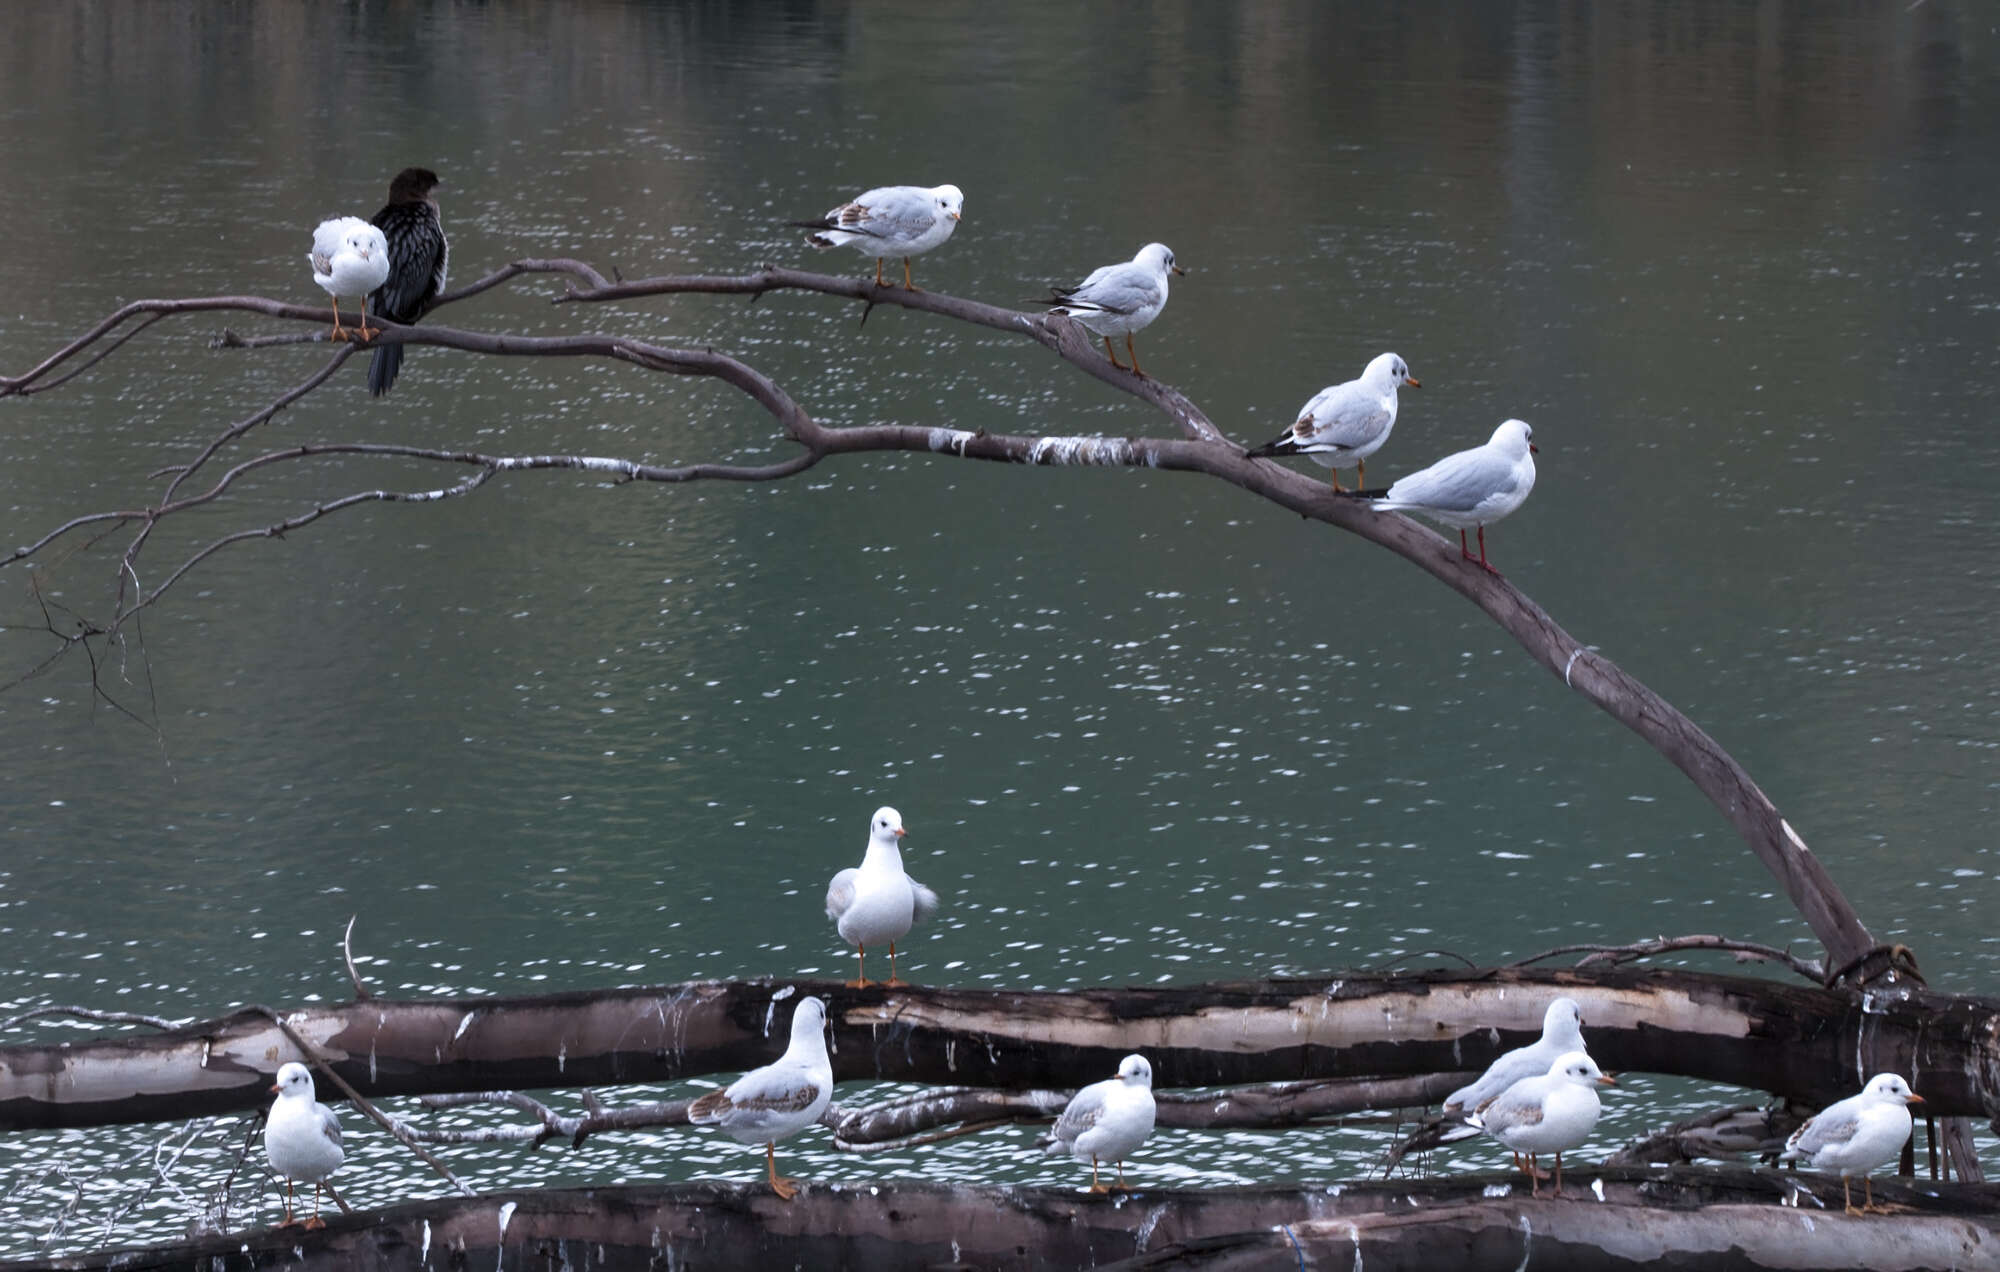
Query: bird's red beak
x=274, y=1088
x=1914, y=1098
x=1534, y=449
x=900, y=832
x=1413, y=382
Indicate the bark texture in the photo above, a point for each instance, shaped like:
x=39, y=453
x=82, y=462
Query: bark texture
x=1803, y=1042
x=1663, y=1220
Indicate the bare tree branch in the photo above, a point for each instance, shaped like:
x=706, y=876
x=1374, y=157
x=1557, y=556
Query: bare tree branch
x=92, y=1013
x=1746, y=951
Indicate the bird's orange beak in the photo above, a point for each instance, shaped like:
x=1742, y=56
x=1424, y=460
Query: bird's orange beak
x=1534, y=449
x=1605, y=1079
x=1180, y=271
x=1914, y=1098
x=900, y=832
x=274, y=1088
x=955, y=216
x=1413, y=382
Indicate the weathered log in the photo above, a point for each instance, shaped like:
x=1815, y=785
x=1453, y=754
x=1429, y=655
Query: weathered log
x=1798, y=1041
x=1660, y=1219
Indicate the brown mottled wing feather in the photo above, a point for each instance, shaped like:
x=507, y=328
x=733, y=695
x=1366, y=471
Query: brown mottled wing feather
x=709, y=1107
x=790, y=1100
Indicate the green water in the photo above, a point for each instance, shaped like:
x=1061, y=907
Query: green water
x=1734, y=263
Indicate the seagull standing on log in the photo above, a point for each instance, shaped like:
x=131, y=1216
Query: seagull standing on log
x=877, y=903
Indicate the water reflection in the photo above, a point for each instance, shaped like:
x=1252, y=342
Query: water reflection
x=1732, y=261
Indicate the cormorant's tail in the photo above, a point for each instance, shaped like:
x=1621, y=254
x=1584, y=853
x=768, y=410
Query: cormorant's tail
x=382, y=368
x=1380, y=492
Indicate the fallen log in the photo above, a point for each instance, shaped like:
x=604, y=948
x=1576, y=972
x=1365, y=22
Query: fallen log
x=1664, y=1220
x=1798, y=1041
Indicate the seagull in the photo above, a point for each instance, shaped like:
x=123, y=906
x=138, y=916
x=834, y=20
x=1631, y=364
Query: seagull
x=1855, y=1135
x=779, y=1100
x=890, y=221
x=349, y=258
x=1549, y=1114
x=1106, y=1120
x=878, y=903
x=418, y=254
x=1346, y=423
x=301, y=1138
x=1562, y=1031
x=1474, y=487
x=1120, y=299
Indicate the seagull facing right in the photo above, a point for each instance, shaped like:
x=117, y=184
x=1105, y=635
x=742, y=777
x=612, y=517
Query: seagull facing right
x=418, y=256
x=1474, y=487
x=1562, y=1032
x=301, y=1138
x=1346, y=423
x=877, y=904
x=890, y=221
x=779, y=1100
x=349, y=258
x=1549, y=1114
x=1855, y=1135
x=1120, y=299
x=1107, y=1120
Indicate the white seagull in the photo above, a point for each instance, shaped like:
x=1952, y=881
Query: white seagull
x=1106, y=1120
x=1549, y=1114
x=349, y=258
x=779, y=1100
x=1562, y=1032
x=301, y=1137
x=1474, y=487
x=1855, y=1135
x=1346, y=423
x=890, y=221
x=877, y=904
x=1120, y=299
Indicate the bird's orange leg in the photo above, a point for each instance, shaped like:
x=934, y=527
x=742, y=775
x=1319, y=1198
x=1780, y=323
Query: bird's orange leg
x=1132, y=352
x=1559, y=1173
x=289, y=1221
x=878, y=273
x=367, y=332
x=892, y=966
x=1111, y=352
x=907, y=284
x=1094, y=1185
x=1360, y=474
x=1847, y=1196
x=1333, y=475
x=785, y=1188
x=315, y=1221
x=1121, y=1185
x=339, y=332
x=860, y=980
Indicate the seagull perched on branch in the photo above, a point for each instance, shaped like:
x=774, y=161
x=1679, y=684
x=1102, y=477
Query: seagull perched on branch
x=349, y=258
x=1120, y=299
x=1346, y=423
x=418, y=254
x=1472, y=488
x=903, y=221
x=1855, y=1135
x=301, y=1138
x=779, y=1100
x=1548, y=1114
x=877, y=904
x=1106, y=1120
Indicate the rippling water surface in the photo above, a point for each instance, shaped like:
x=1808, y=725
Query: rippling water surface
x=1735, y=264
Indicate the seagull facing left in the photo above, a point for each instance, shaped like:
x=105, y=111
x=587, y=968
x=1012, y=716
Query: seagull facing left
x=349, y=258
x=1120, y=299
x=1855, y=1135
x=1107, y=1120
x=301, y=1138
x=1472, y=488
x=779, y=1100
x=890, y=221
x=877, y=903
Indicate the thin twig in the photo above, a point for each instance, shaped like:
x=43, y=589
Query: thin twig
x=92, y=1013
x=314, y=1057
x=1617, y=954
